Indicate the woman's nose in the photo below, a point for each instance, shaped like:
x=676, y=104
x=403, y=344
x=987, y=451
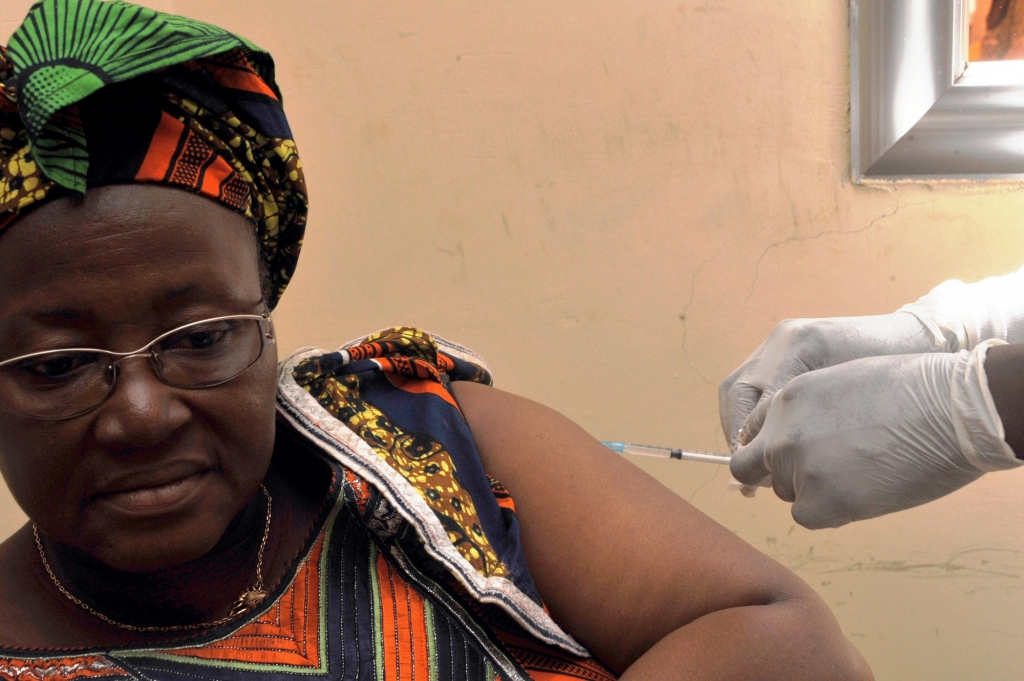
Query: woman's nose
x=141, y=412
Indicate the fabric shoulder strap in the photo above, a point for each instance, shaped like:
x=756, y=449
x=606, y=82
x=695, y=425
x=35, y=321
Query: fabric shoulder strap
x=381, y=406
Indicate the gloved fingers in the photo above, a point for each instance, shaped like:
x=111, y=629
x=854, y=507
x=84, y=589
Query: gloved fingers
x=755, y=419
x=737, y=396
x=824, y=503
x=744, y=396
x=735, y=402
x=766, y=460
x=782, y=480
x=816, y=513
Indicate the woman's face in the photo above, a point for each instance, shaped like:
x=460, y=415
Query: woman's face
x=152, y=477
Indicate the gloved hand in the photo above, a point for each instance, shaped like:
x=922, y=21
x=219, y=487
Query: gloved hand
x=797, y=346
x=953, y=316
x=876, y=435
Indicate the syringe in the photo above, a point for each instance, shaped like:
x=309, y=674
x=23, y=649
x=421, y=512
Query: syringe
x=667, y=453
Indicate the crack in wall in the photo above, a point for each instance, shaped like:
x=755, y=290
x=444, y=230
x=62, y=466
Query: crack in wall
x=812, y=237
x=947, y=567
x=704, y=484
x=686, y=307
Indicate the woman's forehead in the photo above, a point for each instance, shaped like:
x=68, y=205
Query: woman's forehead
x=137, y=244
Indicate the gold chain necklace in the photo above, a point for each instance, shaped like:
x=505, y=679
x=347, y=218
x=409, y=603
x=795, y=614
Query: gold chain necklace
x=249, y=599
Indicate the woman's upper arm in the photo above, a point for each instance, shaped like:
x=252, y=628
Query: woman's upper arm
x=620, y=560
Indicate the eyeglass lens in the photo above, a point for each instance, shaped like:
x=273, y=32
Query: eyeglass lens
x=65, y=383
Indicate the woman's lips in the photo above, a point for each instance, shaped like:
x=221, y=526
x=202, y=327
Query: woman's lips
x=156, y=497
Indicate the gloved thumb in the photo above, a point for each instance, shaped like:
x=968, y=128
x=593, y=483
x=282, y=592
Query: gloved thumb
x=748, y=465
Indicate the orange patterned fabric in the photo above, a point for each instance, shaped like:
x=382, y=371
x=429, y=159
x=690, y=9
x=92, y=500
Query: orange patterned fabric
x=403, y=626
x=288, y=634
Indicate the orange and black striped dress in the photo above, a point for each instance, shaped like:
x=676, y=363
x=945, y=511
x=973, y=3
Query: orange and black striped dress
x=414, y=571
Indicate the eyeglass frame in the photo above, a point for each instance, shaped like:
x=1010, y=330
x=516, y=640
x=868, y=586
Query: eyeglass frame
x=266, y=336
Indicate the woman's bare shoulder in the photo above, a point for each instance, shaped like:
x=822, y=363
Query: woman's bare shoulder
x=620, y=559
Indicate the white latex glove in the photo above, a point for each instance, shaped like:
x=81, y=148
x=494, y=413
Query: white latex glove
x=877, y=435
x=962, y=315
x=954, y=316
x=797, y=346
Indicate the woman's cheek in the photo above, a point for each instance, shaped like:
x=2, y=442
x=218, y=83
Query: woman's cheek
x=246, y=430
x=43, y=474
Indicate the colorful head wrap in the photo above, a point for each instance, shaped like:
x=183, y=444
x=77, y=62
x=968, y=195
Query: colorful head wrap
x=96, y=92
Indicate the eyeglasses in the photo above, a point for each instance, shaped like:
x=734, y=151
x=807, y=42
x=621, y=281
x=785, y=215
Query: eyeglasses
x=62, y=384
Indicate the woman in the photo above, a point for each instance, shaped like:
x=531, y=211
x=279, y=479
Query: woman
x=197, y=509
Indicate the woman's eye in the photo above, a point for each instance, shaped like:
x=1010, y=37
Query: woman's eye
x=58, y=366
x=202, y=338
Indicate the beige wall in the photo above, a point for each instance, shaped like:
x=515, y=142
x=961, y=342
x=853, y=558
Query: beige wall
x=614, y=203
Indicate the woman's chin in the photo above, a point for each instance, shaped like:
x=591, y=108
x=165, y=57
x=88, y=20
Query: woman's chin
x=154, y=553
x=158, y=545
x=158, y=529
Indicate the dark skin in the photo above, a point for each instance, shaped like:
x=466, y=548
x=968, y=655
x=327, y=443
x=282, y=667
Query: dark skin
x=654, y=588
x=129, y=274
x=1004, y=367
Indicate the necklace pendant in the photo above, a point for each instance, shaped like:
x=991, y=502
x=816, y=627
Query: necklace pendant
x=247, y=601
x=253, y=597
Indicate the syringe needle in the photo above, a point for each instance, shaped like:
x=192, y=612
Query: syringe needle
x=667, y=452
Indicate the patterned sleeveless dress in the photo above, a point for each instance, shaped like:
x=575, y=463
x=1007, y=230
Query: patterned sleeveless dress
x=414, y=569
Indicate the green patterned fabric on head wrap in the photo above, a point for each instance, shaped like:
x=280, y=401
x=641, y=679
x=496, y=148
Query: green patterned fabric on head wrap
x=96, y=92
